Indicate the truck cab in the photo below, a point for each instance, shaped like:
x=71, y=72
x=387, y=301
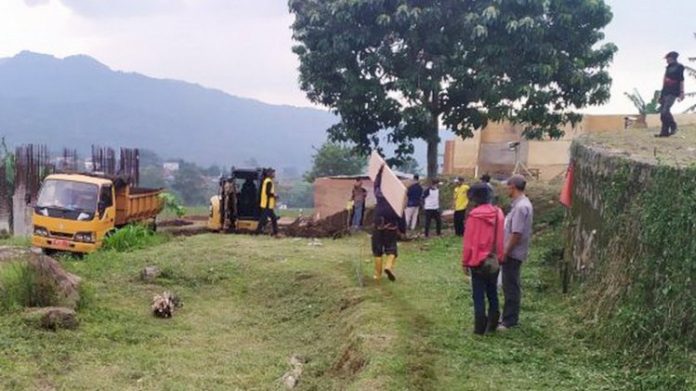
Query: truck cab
x=75, y=212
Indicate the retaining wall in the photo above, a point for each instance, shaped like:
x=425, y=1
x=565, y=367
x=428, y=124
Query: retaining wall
x=632, y=242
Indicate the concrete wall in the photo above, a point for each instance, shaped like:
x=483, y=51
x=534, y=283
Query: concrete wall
x=488, y=150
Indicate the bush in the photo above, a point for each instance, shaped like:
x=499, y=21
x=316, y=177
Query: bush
x=132, y=237
x=21, y=286
x=172, y=204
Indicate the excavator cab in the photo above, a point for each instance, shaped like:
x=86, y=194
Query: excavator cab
x=236, y=207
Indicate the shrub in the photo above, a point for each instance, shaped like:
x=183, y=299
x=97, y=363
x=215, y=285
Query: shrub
x=172, y=204
x=132, y=237
x=22, y=286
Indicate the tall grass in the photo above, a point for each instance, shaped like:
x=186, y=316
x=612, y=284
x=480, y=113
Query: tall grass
x=22, y=286
x=133, y=237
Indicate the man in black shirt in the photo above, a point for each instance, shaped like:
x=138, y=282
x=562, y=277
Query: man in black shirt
x=672, y=89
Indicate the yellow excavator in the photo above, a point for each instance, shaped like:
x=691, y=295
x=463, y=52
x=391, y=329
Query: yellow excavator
x=236, y=206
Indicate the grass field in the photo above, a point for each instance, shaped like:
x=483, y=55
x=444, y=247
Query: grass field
x=250, y=303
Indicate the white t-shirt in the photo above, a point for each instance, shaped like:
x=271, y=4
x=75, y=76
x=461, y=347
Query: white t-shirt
x=432, y=200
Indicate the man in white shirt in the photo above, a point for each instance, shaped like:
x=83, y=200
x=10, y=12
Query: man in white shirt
x=431, y=204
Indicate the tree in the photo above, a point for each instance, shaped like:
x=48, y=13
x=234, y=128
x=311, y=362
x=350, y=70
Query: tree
x=149, y=158
x=335, y=159
x=409, y=166
x=152, y=177
x=652, y=107
x=213, y=171
x=190, y=184
x=409, y=66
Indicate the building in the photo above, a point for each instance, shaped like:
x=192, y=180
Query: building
x=490, y=151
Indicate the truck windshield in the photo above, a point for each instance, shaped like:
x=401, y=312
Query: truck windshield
x=68, y=195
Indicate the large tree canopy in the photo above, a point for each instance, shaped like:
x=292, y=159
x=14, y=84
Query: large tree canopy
x=409, y=66
x=335, y=159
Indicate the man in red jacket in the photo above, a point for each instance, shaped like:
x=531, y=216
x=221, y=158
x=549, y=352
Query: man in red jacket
x=483, y=235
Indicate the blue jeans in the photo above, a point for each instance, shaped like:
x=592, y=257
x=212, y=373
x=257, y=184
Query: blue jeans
x=357, y=214
x=482, y=287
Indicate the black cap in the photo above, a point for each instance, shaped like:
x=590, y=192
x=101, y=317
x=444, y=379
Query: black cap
x=673, y=55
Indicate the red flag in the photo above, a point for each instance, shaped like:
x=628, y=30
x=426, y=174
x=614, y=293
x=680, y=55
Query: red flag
x=567, y=190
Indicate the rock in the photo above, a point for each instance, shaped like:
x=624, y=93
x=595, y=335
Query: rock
x=67, y=285
x=52, y=318
x=292, y=377
x=150, y=273
x=297, y=360
x=290, y=381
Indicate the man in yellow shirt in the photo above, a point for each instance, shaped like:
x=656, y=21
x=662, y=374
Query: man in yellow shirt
x=461, y=201
x=268, y=203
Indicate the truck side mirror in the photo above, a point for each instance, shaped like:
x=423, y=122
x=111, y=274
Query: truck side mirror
x=101, y=208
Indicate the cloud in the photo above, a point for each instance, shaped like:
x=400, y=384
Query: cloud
x=34, y=3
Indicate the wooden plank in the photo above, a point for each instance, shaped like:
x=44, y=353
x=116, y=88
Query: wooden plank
x=392, y=187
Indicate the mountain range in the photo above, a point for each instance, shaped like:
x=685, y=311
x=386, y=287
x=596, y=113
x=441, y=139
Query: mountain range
x=77, y=101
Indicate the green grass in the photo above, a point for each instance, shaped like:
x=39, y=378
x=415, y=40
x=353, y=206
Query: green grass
x=133, y=237
x=252, y=302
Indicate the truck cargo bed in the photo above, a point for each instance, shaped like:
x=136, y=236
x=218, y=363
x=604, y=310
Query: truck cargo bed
x=135, y=204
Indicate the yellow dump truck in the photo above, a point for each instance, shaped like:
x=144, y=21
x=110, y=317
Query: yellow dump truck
x=75, y=212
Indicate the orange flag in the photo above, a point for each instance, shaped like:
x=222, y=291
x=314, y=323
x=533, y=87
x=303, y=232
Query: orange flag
x=567, y=190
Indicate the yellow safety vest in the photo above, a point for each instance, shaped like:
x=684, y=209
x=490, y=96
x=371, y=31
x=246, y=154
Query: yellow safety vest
x=268, y=202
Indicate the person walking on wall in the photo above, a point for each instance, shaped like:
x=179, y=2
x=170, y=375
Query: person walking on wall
x=358, y=197
x=483, y=238
x=431, y=203
x=461, y=202
x=518, y=232
x=414, y=197
x=385, y=233
x=268, y=203
x=672, y=90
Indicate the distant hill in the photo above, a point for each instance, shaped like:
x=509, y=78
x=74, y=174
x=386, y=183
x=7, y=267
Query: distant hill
x=78, y=101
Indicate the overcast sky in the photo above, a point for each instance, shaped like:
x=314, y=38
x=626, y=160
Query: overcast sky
x=243, y=46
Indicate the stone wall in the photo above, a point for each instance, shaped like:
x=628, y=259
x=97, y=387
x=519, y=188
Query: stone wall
x=631, y=245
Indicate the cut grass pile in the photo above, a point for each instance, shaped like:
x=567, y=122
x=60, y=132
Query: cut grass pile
x=250, y=303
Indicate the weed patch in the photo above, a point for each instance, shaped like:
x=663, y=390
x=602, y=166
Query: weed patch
x=22, y=286
x=133, y=237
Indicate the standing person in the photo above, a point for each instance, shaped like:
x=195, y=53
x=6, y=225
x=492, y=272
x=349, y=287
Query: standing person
x=431, y=203
x=414, y=196
x=268, y=203
x=359, y=195
x=460, y=203
x=672, y=89
x=385, y=233
x=518, y=232
x=483, y=237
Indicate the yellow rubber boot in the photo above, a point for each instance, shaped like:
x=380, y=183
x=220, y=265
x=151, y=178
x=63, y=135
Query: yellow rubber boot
x=389, y=269
x=378, y=268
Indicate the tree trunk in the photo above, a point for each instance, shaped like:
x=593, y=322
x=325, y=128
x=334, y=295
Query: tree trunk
x=433, y=141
